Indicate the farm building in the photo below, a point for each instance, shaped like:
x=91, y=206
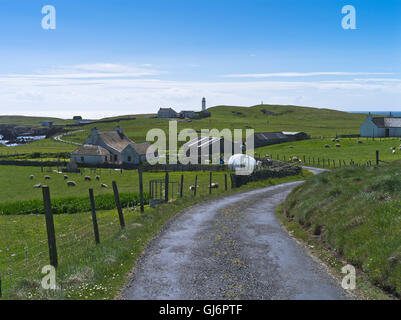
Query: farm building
x=90, y=154
x=111, y=147
x=167, y=113
x=269, y=138
x=209, y=146
x=296, y=136
x=47, y=123
x=381, y=127
x=187, y=114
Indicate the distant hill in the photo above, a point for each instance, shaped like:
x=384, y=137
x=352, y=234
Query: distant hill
x=261, y=118
x=31, y=121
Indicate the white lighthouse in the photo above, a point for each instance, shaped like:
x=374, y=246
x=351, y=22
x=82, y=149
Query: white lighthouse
x=204, y=104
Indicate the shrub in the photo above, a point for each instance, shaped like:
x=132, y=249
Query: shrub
x=71, y=204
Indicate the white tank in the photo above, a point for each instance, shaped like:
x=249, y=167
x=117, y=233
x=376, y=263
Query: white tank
x=241, y=161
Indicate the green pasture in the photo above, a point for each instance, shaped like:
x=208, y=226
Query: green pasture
x=349, y=150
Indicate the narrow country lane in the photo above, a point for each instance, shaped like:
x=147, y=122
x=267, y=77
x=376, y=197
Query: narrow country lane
x=231, y=248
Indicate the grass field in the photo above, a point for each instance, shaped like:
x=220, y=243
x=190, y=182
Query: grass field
x=86, y=270
x=20, y=187
x=42, y=146
x=355, y=213
x=350, y=150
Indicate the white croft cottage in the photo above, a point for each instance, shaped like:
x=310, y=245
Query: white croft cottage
x=110, y=147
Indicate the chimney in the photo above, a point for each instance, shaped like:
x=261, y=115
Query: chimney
x=119, y=130
x=204, y=104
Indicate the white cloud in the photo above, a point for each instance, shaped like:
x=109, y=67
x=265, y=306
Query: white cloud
x=61, y=94
x=95, y=70
x=300, y=74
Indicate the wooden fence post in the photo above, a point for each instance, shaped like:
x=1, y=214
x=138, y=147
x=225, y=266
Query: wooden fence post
x=377, y=157
x=182, y=185
x=118, y=204
x=210, y=182
x=51, y=234
x=196, y=182
x=166, y=185
x=225, y=181
x=141, y=189
x=94, y=218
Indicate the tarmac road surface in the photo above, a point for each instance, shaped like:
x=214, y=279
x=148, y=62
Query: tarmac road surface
x=231, y=248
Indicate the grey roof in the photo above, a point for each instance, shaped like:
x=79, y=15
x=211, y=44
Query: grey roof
x=166, y=110
x=141, y=148
x=271, y=136
x=91, y=150
x=117, y=141
x=387, y=122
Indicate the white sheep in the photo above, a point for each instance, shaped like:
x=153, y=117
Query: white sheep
x=214, y=185
x=104, y=186
x=65, y=177
x=97, y=178
x=71, y=183
x=37, y=186
x=47, y=177
x=31, y=176
x=87, y=178
x=192, y=188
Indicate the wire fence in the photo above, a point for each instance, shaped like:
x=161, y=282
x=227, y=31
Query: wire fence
x=31, y=247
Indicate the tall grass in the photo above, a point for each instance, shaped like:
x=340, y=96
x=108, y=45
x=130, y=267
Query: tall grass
x=356, y=212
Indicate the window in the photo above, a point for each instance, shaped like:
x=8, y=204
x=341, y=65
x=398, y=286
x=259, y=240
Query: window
x=129, y=159
x=82, y=159
x=105, y=158
x=115, y=157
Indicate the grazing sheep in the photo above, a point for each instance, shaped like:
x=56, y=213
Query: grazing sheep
x=326, y=146
x=87, y=178
x=392, y=148
x=97, y=178
x=37, y=186
x=393, y=151
x=295, y=159
x=31, y=176
x=71, y=183
x=333, y=140
x=337, y=140
x=192, y=188
x=214, y=185
x=65, y=177
x=104, y=186
x=338, y=145
x=360, y=141
x=47, y=177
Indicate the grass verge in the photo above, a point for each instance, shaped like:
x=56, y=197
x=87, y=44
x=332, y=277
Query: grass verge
x=352, y=216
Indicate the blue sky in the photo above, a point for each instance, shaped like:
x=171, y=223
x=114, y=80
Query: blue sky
x=124, y=56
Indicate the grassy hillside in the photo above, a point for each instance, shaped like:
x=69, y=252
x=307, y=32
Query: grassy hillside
x=261, y=118
x=31, y=121
x=356, y=213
